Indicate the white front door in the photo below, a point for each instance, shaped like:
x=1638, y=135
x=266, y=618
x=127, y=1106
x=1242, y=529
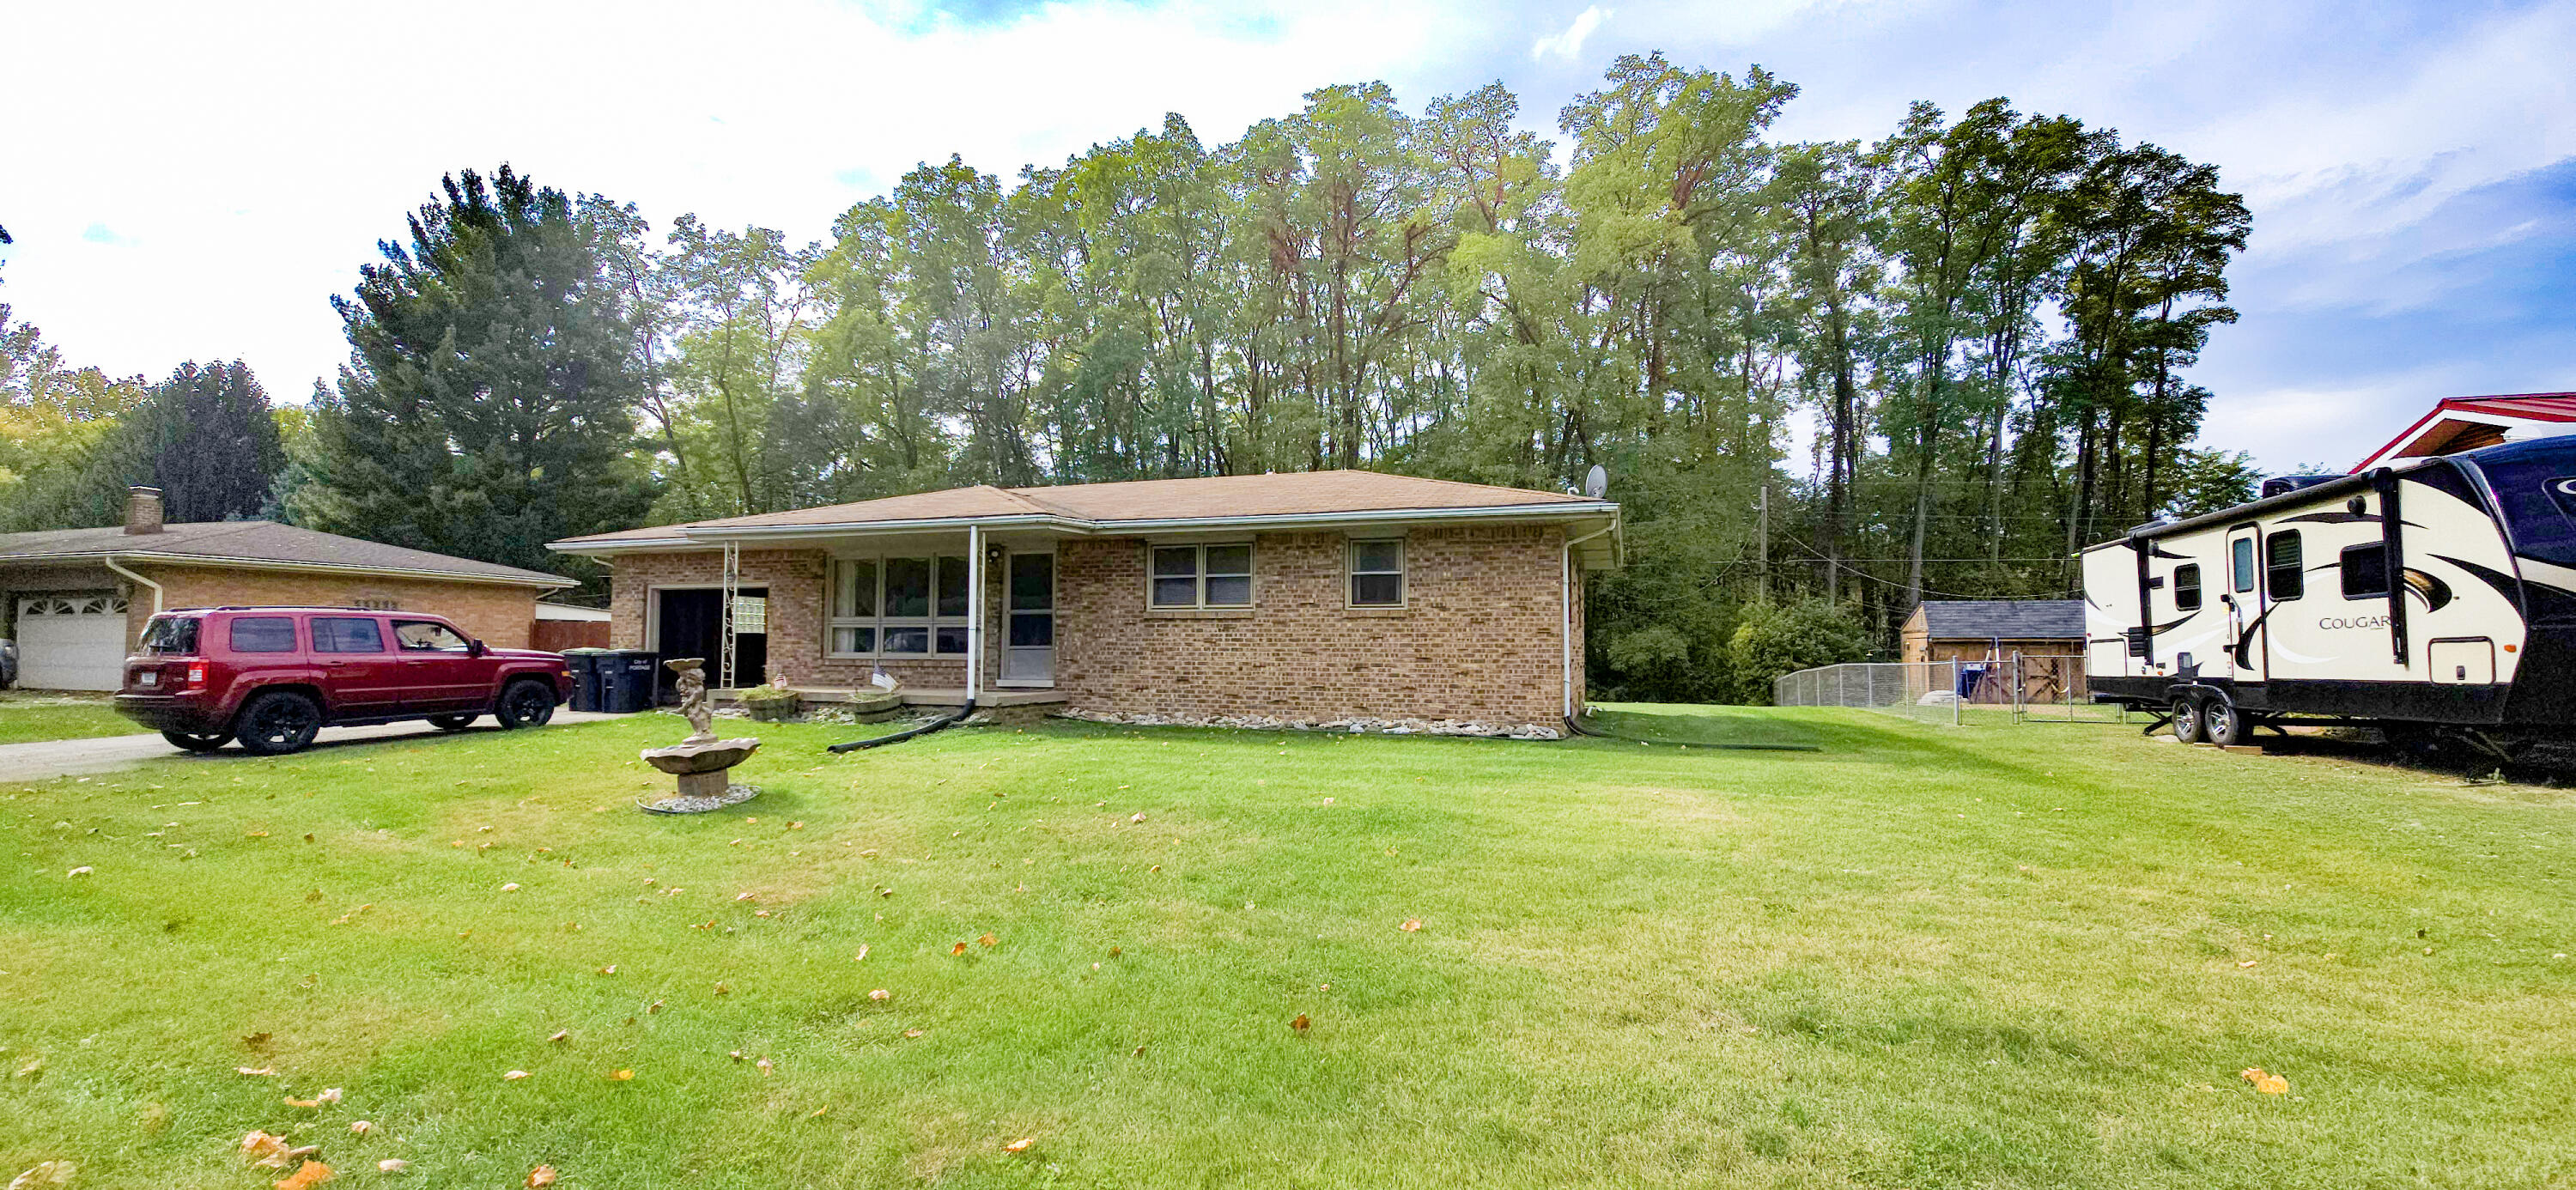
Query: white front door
x=71, y=642
x=1029, y=657
x=2245, y=583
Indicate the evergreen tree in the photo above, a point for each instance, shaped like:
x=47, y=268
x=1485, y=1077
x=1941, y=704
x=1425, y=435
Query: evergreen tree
x=488, y=403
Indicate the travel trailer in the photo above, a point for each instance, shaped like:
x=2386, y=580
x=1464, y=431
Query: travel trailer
x=2434, y=598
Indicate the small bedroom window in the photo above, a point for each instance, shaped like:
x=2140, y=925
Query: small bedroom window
x=2187, y=587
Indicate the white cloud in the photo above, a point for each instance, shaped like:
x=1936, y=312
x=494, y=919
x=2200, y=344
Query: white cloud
x=248, y=165
x=1569, y=42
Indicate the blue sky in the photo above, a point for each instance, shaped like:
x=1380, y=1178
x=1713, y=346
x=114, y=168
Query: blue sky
x=196, y=180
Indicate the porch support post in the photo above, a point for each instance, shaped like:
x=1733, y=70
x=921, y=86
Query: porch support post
x=974, y=608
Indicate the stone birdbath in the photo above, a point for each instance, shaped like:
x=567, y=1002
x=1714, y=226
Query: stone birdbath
x=701, y=761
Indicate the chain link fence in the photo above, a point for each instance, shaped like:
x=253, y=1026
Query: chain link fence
x=1928, y=691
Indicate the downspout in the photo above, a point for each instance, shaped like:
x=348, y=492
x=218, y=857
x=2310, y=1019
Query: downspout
x=140, y=580
x=1565, y=625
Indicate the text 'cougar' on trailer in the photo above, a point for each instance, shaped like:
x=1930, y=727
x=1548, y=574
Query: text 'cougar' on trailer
x=2434, y=596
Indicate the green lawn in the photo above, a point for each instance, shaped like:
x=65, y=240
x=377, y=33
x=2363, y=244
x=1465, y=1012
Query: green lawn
x=26, y=717
x=1979, y=956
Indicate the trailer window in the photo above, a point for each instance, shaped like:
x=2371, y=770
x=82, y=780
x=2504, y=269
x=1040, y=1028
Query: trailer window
x=2282, y=571
x=2241, y=560
x=2365, y=571
x=2187, y=587
x=2538, y=500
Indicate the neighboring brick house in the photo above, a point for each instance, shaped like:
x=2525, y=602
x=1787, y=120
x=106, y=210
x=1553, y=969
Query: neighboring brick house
x=76, y=599
x=1317, y=596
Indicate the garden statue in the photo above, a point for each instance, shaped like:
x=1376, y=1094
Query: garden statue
x=701, y=761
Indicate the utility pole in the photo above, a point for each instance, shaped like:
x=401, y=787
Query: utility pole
x=1762, y=535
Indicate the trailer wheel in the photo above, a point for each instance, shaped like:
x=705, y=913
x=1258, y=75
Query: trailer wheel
x=2187, y=725
x=2223, y=723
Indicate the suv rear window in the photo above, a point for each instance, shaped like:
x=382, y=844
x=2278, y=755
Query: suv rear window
x=263, y=634
x=171, y=635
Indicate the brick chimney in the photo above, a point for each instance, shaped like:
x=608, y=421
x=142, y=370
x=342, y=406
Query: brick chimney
x=142, y=510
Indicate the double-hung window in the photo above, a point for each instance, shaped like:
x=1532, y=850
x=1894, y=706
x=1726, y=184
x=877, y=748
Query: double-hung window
x=897, y=607
x=1377, y=573
x=1202, y=576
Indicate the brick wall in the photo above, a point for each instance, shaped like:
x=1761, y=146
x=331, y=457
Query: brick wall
x=1479, y=637
x=501, y=616
x=498, y=616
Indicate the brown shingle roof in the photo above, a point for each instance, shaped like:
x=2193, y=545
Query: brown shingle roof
x=251, y=543
x=1221, y=496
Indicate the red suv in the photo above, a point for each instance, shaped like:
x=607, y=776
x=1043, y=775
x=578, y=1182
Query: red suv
x=273, y=676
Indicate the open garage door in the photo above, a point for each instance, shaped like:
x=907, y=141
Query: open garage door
x=71, y=642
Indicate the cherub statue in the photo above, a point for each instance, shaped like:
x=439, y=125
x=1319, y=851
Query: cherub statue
x=693, y=697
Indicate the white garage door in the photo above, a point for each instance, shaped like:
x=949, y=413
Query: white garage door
x=71, y=642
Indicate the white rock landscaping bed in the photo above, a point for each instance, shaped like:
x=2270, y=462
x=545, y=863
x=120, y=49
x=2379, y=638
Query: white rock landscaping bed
x=1355, y=726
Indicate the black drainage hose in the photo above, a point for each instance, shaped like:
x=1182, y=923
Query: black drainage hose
x=907, y=733
x=1579, y=729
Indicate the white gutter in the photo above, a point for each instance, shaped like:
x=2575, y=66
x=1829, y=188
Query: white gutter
x=1565, y=594
x=138, y=579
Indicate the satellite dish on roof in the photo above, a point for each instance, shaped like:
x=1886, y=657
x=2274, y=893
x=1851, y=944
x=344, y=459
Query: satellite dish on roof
x=1597, y=483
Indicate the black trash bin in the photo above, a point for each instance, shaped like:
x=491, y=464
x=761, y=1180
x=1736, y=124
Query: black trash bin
x=630, y=678
x=584, y=663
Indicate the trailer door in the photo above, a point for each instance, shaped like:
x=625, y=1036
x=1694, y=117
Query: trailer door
x=2246, y=604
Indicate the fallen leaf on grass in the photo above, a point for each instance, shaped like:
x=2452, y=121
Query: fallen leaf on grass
x=1021, y=1145
x=361, y=1127
x=820, y=1112
x=2269, y=1084
x=509, y=888
x=46, y=1173
x=543, y=1175
x=622, y=1076
x=960, y=948
x=764, y=1066
x=989, y=940
x=254, y=1072
x=1300, y=1024
x=881, y=995
x=561, y=1036
x=610, y=969
x=263, y=1148
x=82, y=870
x=514, y=1076
x=912, y=1032
x=863, y=953
x=1412, y=925
x=392, y=1165
x=311, y=1173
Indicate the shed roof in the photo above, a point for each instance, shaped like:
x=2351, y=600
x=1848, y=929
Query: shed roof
x=255, y=544
x=2005, y=619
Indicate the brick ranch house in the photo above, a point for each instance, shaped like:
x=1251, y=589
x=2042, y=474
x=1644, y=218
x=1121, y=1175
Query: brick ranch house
x=76, y=599
x=1319, y=596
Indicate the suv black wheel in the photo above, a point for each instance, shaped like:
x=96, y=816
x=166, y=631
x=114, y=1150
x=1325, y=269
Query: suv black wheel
x=525, y=704
x=452, y=722
x=197, y=741
x=2186, y=719
x=275, y=722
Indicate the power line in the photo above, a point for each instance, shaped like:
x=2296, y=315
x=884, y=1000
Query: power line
x=1811, y=550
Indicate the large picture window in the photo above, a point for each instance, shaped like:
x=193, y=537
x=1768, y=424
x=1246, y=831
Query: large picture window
x=897, y=607
x=1191, y=576
x=1377, y=574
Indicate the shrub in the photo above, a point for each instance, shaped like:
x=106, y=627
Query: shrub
x=1774, y=639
